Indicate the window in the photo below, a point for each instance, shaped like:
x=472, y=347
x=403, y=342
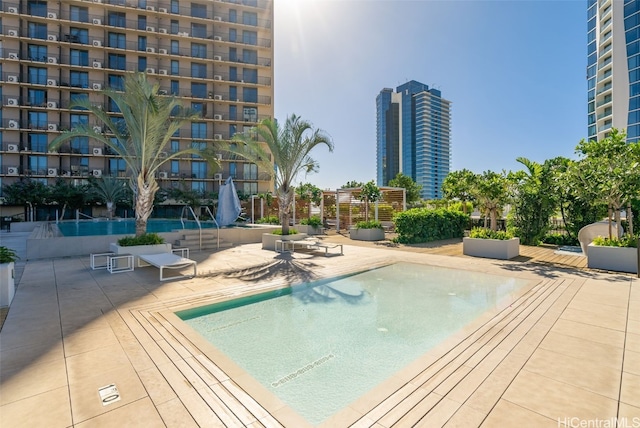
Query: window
x=250, y=171
x=37, y=53
x=175, y=6
x=142, y=43
x=78, y=119
x=37, y=8
x=175, y=26
x=80, y=145
x=232, y=34
x=249, y=56
x=175, y=87
x=142, y=63
x=199, y=186
x=250, y=188
x=116, y=82
x=117, y=61
x=175, y=168
x=117, y=19
x=250, y=95
x=198, y=50
x=232, y=130
x=117, y=167
x=117, y=40
x=250, y=114
x=232, y=170
x=198, y=130
x=233, y=74
x=175, y=47
x=249, y=75
x=142, y=22
x=233, y=111
x=38, y=142
x=198, y=170
x=77, y=97
x=79, y=79
x=37, y=120
x=38, y=165
x=78, y=14
x=233, y=15
x=198, y=70
x=250, y=37
x=78, y=57
x=37, y=75
x=199, y=107
x=175, y=146
x=175, y=67
x=233, y=93
x=37, y=31
x=199, y=30
x=250, y=18
x=113, y=106
x=37, y=97
x=198, y=90
x=79, y=165
x=198, y=10
x=79, y=35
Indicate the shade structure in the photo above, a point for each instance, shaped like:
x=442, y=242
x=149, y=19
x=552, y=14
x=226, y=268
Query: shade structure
x=228, y=204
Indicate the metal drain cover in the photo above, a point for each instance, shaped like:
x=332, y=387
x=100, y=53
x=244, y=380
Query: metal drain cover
x=109, y=394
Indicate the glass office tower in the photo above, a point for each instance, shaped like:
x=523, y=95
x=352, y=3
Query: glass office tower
x=413, y=135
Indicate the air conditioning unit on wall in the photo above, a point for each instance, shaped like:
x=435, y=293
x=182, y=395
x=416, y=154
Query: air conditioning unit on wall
x=97, y=173
x=97, y=21
x=52, y=172
x=97, y=151
x=12, y=148
x=13, y=124
x=52, y=15
x=52, y=127
x=163, y=175
x=12, y=170
x=52, y=104
x=52, y=38
x=12, y=33
x=12, y=79
x=12, y=102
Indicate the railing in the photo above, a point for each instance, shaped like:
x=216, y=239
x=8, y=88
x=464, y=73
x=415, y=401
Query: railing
x=188, y=210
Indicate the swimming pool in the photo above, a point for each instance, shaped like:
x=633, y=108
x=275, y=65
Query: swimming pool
x=320, y=346
x=123, y=227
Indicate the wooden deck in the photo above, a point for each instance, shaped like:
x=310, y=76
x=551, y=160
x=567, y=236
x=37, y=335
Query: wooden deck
x=547, y=255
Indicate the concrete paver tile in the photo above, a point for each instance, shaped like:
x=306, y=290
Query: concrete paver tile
x=140, y=413
x=50, y=409
x=507, y=414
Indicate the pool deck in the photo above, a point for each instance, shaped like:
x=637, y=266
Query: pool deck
x=564, y=352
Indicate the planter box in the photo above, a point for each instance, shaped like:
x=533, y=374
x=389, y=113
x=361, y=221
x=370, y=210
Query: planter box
x=7, y=283
x=619, y=259
x=309, y=230
x=136, y=250
x=491, y=248
x=269, y=239
x=366, y=234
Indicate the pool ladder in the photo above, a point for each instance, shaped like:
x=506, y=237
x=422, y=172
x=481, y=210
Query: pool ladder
x=188, y=210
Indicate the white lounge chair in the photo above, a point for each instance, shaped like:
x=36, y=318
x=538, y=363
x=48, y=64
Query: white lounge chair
x=168, y=261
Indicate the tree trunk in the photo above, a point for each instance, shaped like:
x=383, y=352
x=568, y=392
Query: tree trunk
x=610, y=226
x=494, y=221
x=284, y=199
x=630, y=218
x=144, y=203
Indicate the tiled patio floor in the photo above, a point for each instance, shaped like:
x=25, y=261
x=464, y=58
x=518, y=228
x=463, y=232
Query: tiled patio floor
x=567, y=350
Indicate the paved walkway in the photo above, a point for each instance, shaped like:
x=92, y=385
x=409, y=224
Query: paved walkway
x=564, y=351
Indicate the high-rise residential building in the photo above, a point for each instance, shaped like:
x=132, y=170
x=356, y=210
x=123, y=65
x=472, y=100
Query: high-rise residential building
x=413, y=133
x=216, y=56
x=613, y=67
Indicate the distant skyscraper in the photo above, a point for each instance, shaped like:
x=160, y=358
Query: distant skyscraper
x=413, y=133
x=613, y=67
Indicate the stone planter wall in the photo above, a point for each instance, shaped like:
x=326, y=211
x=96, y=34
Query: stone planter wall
x=619, y=259
x=366, y=234
x=269, y=239
x=309, y=230
x=7, y=283
x=491, y=248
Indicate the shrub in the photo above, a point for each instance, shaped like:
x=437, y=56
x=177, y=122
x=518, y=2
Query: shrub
x=7, y=255
x=146, y=239
x=560, y=239
x=371, y=224
x=313, y=221
x=279, y=232
x=425, y=225
x=271, y=219
x=484, y=233
x=624, y=241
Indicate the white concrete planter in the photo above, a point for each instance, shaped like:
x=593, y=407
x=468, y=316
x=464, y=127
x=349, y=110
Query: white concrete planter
x=309, y=230
x=618, y=259
x=136, y=250
x=366, y=234
x=7, y=283
x=269, y=239
x=503, y=249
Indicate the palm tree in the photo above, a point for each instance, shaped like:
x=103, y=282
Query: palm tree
x=290, y=147
x=110, y=190
x=148, y=122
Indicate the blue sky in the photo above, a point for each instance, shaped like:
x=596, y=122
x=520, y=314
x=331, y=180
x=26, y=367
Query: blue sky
x=515, y=72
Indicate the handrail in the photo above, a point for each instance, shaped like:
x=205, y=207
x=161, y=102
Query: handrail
x=216, y=223
x=195, y=218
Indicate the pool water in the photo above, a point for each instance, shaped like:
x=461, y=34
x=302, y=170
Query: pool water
x=320, y=346
x=124, y=227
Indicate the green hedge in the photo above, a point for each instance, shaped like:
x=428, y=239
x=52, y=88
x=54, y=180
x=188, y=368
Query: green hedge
x=145, y=239
x=425, y=225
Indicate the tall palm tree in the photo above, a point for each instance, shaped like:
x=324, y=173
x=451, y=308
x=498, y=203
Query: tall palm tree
x=290, y=147
x=148, y=122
